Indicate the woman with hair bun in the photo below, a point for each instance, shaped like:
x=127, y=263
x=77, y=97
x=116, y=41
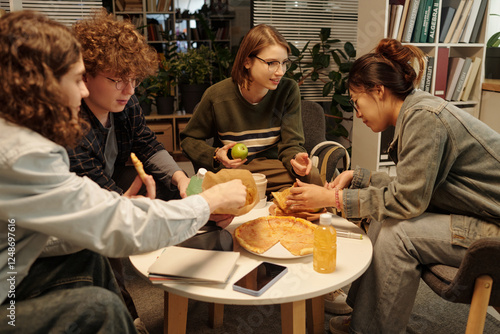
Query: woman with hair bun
x=445, y=195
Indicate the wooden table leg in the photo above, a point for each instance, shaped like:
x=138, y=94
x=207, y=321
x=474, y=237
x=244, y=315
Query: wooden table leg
x=175, y=314
x=293, y=317
x=216, y=314
x=315, y=315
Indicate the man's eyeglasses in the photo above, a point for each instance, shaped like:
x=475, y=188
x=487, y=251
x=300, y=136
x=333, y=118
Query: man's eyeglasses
x=120, y=84
x=354, y=104
x=274, y=65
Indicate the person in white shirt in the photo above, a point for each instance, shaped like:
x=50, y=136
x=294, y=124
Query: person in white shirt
x=59, y=227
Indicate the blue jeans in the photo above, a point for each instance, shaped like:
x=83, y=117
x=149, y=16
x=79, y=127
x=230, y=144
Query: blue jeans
x=74, y=293
x=383, y=297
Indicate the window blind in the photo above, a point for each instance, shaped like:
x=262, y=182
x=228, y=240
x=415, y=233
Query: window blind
x=300, y=21
x=65, y=11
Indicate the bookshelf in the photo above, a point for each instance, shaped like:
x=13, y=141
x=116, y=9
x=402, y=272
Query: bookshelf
x=156, y=19
x=374, y=24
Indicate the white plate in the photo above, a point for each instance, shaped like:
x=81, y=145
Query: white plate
x=278, y=252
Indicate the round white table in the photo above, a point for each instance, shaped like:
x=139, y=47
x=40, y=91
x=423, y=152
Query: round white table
x=299, y=285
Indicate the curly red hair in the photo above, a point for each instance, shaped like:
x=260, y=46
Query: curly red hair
x=114, y=46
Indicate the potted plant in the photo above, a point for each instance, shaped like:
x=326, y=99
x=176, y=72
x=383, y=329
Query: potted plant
x=146, y=93
x=166, y=82
x=492, y=61
x=166, y=78
x=194, y=68
x=317, y=67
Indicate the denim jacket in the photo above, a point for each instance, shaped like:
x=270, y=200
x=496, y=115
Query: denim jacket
x=447, y=161
x=39, y=197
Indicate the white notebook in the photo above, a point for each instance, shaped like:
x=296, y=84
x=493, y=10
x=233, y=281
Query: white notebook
x=177, y=263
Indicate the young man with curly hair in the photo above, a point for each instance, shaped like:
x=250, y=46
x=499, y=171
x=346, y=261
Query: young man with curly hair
x=116, y=59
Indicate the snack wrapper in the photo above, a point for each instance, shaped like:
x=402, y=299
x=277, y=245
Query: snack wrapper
x=225, y=175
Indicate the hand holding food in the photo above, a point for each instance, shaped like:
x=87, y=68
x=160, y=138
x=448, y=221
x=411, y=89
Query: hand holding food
x=283, y=207
x=228, y=195
x=221, y=155
x=309, y=196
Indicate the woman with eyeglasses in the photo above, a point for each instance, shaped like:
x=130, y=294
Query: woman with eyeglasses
x=445, y=196
x=258, y=107
x=116, y=58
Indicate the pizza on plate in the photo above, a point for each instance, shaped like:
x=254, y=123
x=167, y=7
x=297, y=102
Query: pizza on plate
x=294, y=234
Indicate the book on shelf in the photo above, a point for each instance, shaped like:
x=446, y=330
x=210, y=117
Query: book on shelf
x=459, y=7
x=433, y=22
x=151, y=5
x=428, y=74
x=461, y=79
x=133, y=5
x=443, y=54
x=417, y=29
x=421, y=85
x=427, y=21
x=120, y=5
x=473, y=72
x=454, y=68
x=404, y=14
x=447, y=14
x=461, y=23
x=397, y=7
x=410, y=20
x=180, y=264
x=469, y=25
x=474, y=38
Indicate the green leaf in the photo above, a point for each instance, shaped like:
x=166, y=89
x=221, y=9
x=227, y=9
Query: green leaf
x=335, y=76
x=493, y=41
x=327, y=88
x=343, y=100
x=345, y=67
x=314, y=76
x=341, y=52
x=324, y=34
x=295, y=51
x=350, y=50
x=316, y=49
x=333, y=41
x=336, y=58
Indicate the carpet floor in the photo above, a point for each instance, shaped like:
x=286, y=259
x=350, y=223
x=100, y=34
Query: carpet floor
x=431, y=314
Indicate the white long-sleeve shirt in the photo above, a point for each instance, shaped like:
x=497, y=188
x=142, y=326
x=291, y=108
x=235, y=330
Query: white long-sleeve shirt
x=43, y=203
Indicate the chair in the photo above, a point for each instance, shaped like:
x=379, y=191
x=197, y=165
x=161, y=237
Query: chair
x=475, y=282
x=326, y=155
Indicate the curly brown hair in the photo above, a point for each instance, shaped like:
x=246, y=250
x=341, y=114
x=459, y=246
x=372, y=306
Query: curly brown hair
x=36, y=53
x=114, y=46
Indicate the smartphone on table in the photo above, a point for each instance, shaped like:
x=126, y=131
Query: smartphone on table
x=259, y=279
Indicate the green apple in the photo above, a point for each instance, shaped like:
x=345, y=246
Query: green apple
x=239, y=151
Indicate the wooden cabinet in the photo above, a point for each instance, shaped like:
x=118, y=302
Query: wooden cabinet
x=167, y=129
x=368, y=148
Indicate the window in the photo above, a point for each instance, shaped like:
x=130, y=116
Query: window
x=65, y=11
x=300, y=21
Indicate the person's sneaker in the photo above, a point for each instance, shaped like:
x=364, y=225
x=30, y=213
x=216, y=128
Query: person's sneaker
x=139, y=325
x=335, y=303
x=340, y=324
